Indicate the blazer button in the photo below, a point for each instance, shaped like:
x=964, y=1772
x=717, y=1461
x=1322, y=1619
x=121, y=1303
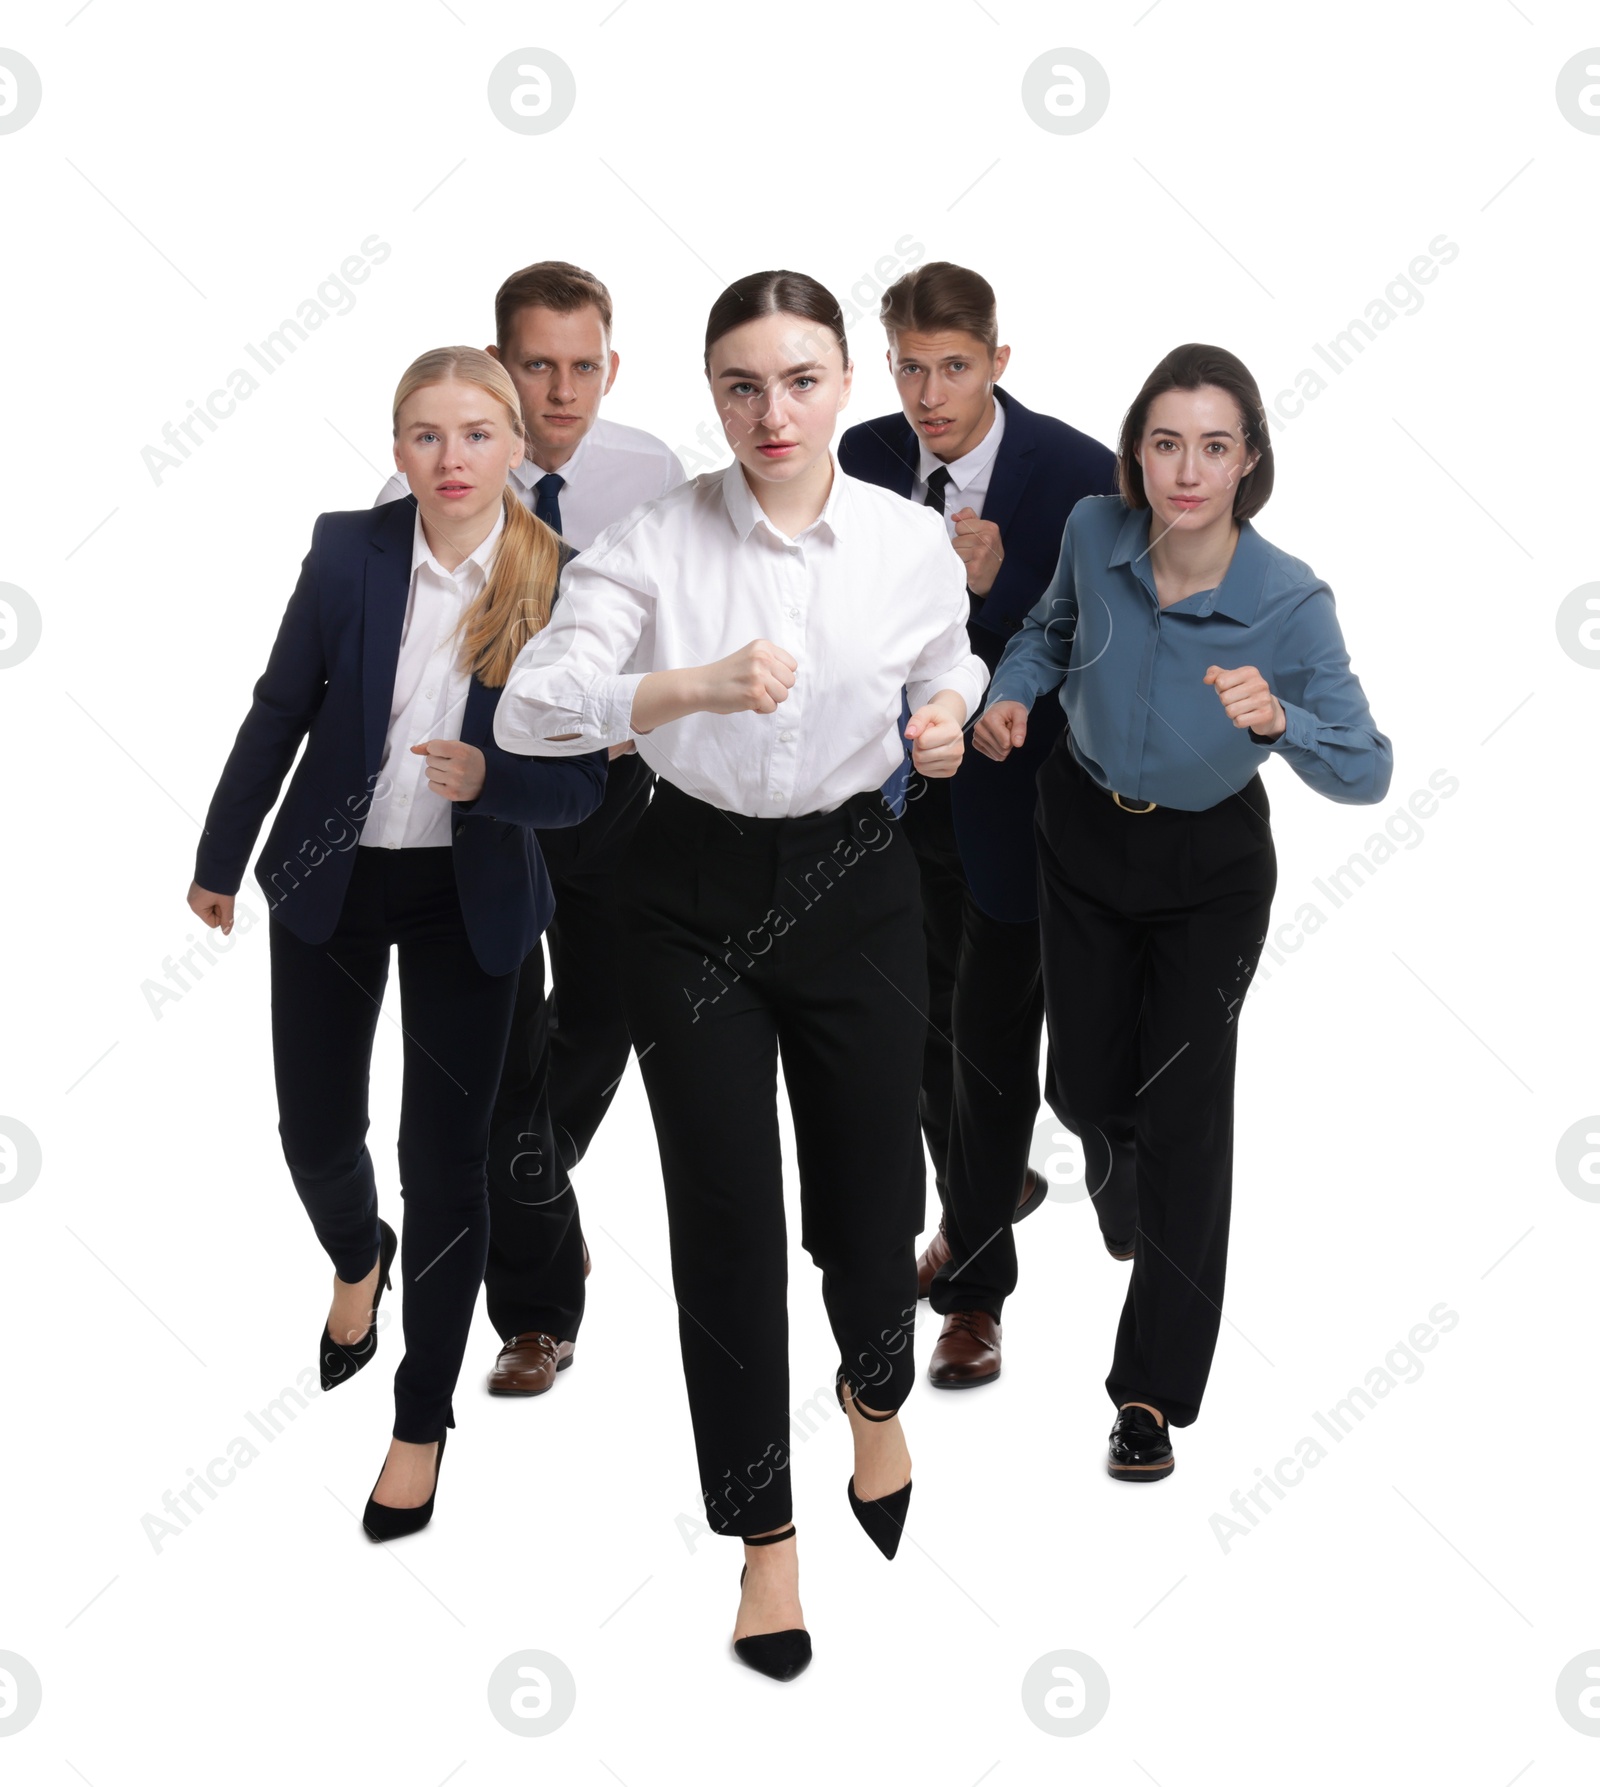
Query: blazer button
x=461, y=828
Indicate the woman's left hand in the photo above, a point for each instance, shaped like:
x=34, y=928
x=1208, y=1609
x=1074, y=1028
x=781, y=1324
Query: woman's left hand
x=936, y=743
x=455, y=770
x=1247, y=699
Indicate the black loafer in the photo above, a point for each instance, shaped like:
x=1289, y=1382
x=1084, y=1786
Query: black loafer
x=1120, y=1250
x=1141, y=1447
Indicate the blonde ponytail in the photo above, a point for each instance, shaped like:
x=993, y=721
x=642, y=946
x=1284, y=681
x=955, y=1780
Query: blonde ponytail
x=515, y=603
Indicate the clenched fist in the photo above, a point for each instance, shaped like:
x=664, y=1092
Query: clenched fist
x=1001, y=730
x=455, y=770
x=1247, y=700
x=977, y=545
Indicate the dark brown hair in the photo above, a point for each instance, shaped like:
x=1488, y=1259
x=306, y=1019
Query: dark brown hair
x=554, y=285
x=941, y=295
x=776, y=292
x=1187, y=368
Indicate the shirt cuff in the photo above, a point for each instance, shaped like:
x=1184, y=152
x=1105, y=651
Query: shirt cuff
x=608, y=709
x=1299, y=730
x=967, y=679
x=1008, y=687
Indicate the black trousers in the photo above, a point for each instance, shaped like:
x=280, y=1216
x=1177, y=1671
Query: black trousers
x=979, y=1097
x=1152, y=926
x=746, y=940
x=325, y=1005
x=943, y=882
x=567, y=1054
x=997, y=1015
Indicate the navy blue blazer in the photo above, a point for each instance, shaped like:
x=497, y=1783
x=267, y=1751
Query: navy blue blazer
x=330, y=682
x=1044, y=466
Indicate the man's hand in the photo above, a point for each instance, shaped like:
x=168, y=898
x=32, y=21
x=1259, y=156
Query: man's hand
x=977, y=545
x=216, y=909
x=1248, y=701
x=455, y=770
x=1001, y=730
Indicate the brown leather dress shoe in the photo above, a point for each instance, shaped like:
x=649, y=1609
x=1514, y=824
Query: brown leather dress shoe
x=967, y=1351
x=932, y=1258
x=1035, y=1188
x=528, y=1364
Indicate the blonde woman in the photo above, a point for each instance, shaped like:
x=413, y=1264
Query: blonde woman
x=406, y=826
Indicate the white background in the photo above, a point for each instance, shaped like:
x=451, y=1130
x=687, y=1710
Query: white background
x=1261, y=174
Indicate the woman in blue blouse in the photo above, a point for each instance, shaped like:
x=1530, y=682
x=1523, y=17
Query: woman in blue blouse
x=1185, y=650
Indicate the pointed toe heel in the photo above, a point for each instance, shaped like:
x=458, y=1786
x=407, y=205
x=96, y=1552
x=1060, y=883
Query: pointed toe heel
x=780, y=1655
x=337, y=1361
x=882, y=1519
x=381, y=1522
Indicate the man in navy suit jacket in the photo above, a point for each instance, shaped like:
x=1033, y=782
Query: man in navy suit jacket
x=1005, y=478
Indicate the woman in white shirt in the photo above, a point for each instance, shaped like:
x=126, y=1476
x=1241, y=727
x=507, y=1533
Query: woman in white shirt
x=751, y=632
x=405, y=826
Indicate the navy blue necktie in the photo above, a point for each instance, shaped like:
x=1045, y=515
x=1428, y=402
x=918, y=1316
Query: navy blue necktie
x=547, y=500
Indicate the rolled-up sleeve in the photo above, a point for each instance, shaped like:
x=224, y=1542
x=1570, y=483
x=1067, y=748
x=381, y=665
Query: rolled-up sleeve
x=574, y=677
x=1330, y=739
x=948, y=661
x=1035, y=659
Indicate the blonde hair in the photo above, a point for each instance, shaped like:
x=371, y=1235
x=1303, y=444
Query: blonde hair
x=514, y=603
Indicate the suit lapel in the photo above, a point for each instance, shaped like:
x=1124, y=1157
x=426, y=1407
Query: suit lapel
x=1012, y=464
x=386, y=582
x=477, y=715
x=895, y=434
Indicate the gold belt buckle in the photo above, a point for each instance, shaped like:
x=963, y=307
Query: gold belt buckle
x=1148, y=807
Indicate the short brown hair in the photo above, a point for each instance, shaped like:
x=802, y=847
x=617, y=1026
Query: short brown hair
x=1187, y=368
x=553, y=285
x=941, y=295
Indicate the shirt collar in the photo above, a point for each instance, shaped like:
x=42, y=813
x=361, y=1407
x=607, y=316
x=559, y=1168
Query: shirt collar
x=1238, y=595
x=481, y=555
x=530, y=471
x=745, y=512
x=963, y=470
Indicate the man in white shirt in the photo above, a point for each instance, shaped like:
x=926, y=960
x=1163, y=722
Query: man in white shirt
x=566, y=1055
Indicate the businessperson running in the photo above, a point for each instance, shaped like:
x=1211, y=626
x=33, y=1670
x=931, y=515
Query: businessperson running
x=1186, y=651
x=1005, y=479
x=753, y=631
x=405, y=826
x=567, y=1053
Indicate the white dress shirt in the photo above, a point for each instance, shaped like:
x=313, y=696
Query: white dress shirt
x=867, y=599
x=430, y=694
x=612, y=470
x=969, y=475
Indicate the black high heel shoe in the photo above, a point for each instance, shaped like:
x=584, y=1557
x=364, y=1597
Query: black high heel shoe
x=782, y=1655
x=380, y=1521
x=338, y=1361
x=883, y=1519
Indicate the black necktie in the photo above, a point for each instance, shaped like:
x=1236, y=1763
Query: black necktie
x=938, y=484
x=547, y=500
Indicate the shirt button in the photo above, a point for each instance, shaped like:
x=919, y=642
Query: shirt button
x=429, y=694
x=785, y=738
